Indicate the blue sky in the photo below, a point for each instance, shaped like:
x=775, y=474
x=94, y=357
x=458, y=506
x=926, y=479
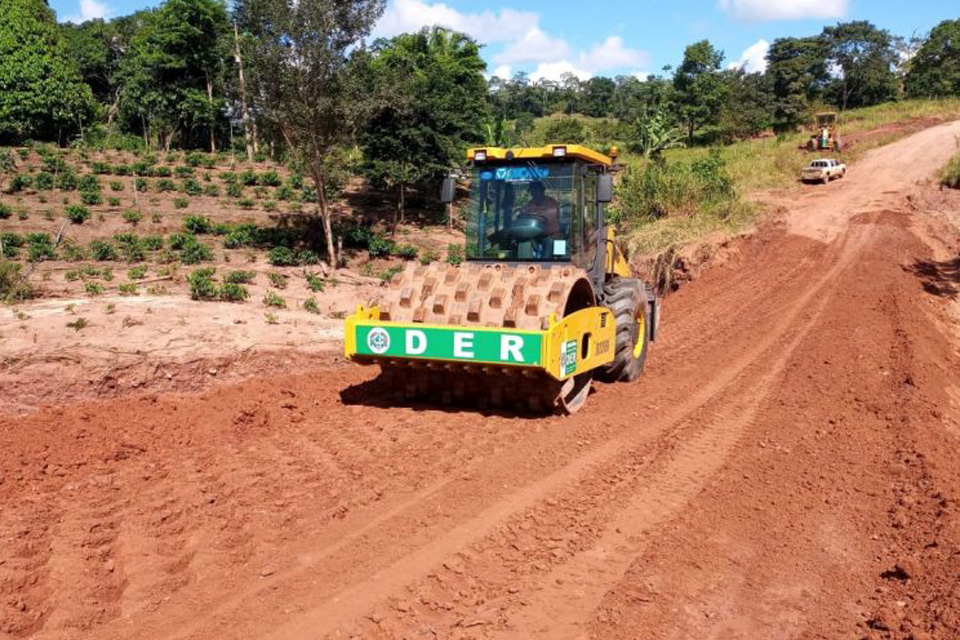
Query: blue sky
x=549, y=37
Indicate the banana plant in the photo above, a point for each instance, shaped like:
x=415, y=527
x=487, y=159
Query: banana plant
x=496, y=133
x=655, y=133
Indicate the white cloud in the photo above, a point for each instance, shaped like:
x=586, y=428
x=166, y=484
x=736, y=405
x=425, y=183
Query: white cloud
x=754, y=58
x=90, y=10
x=534, y=46
x=554, y=56
x=765, y=10
x=613, y=54
x=555, y=70
x=523, y=41
x=402, y=16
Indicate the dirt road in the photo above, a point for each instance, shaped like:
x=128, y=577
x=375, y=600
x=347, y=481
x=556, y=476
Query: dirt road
x=786, y=469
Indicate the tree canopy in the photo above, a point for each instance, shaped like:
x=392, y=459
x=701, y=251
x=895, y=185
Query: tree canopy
x=699, y=85
x=798, y=72
x=42, y=94
x=934, y=71
x=864, y=57
x=430, y=103
x=169, y=76
x=305, y=68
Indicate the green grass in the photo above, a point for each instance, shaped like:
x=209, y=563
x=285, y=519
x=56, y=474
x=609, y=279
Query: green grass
x=872, y=117
x=271, y=299
x=310, y=304
x=768, y=163
x=657, y=236
x=775, y=162
x=950, y=174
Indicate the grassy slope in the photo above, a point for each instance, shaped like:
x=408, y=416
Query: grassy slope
x=771, y=162
x=775, y=163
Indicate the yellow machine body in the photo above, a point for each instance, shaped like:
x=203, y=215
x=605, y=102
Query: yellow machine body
x=466, y=331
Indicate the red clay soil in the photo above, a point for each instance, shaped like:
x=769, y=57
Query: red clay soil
x=785, y=469
x=894, y=129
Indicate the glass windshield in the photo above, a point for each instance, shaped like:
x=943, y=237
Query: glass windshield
x=523, y=212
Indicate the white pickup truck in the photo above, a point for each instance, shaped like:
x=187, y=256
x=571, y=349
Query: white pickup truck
x=823, y=170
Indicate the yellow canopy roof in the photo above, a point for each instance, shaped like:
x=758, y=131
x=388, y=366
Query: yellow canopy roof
x=536, y=153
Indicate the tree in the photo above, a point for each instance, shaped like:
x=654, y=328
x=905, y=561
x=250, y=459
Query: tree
x=172, y=75
x=431, y=105
x=571, y=92
x=523, y=125
x=41, y=92
x=866, y=58
x=597, y=96
x=627, y=98
x=935, y=70
x=91, y=46
x=635, y=98
x=653, y=133
x=700, y=90
x=249, y=124
x=749, y=106
x=797, y=68
x=564, y=131
x=303, y=81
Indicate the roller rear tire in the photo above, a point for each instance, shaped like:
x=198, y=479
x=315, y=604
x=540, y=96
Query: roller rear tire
x=627, y=299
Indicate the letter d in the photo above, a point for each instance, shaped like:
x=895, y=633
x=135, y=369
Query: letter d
x=416, y=343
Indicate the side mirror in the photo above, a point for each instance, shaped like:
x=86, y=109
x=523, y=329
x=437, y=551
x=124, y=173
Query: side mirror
x=605, y=188
x=448, y=191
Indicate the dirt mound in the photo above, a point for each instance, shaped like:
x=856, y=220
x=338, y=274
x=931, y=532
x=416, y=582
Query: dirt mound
x=127, y=345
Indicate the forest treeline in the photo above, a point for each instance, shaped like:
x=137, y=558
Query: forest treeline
x=304, y=83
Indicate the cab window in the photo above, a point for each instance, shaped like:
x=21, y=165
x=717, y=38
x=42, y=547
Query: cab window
x=523, y=212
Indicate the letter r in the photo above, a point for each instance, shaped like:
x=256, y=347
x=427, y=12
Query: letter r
x=510, y=348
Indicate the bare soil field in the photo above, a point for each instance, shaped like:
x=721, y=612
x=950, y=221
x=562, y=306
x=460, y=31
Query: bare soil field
x=110, y=321
x=785, y=468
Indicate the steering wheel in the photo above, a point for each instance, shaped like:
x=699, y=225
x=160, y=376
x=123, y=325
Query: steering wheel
x=526, y=227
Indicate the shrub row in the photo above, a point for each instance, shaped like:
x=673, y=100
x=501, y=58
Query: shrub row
x=203, y=287
x=377, y=244
x=251, y=178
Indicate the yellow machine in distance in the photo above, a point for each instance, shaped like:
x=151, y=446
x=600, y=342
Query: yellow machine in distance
x=543, y=305
x=826, y=136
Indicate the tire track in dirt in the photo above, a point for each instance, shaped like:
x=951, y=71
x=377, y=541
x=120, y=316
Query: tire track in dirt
x=614, y=482
x=774, y=549
x=361, y=597
x=257, y=464
x=82, y=561
x=457, y=494
x=453, y=520
x=568, y=595
x=26, y=539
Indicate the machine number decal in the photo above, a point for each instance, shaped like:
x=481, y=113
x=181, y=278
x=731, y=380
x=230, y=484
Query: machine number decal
x=603, y=347
x=568, y=357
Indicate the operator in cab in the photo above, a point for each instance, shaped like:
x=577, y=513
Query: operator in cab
x=543, y=207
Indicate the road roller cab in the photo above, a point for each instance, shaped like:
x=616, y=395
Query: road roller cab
x=543, y=304
x=540, y=205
